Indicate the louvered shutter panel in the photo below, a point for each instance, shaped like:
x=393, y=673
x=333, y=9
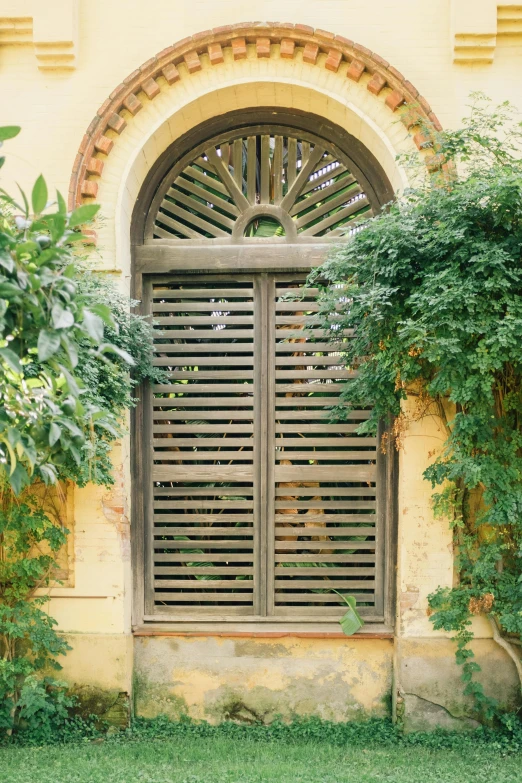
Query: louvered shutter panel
x=259, y=502
x=204, y=528
x=327, y=532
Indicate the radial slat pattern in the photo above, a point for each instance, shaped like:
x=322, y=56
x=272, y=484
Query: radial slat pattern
x=310, y=183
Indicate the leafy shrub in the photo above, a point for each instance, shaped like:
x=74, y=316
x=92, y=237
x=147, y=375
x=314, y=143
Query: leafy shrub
x=373, y=733
x=67, y=342
x=433, y=290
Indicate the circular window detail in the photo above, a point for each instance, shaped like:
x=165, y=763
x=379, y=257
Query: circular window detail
x=259, y=184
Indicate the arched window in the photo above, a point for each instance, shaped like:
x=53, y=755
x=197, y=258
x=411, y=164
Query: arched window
x=251, y=502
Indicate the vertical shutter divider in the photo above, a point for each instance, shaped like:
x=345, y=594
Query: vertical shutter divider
x=260, y=424
x=380, y=523
x=148, y=493
x=270, y=443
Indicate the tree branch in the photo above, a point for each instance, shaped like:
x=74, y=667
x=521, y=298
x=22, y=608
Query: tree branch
x=506, y=646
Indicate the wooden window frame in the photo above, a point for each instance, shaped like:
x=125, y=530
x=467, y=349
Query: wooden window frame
x=154, y=258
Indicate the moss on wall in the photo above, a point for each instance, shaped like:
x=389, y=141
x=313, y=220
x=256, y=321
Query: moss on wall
x=111, y=707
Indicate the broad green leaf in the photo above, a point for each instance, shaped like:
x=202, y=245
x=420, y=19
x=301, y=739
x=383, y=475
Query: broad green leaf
x=73, y=384
x=12, y=454
x=110, y=429
x=9, y=290
x=54, y=433
x=48, y=473
x=39, y=195
x=71, y=349
x=19, y=478
x=62, y=318
x=6, y=260
x=352, y=621
x=9, y=132
x=75, y=453
x=109, y=348
x=24, y=198
x=62, y=206
x=105, y=313
x=48, y=344
x=93, y=325
x=34, y=383
x=83, y=214
x=11, y=359
x=56, y=225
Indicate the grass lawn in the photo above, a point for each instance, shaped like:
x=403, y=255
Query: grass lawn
x=218, y=760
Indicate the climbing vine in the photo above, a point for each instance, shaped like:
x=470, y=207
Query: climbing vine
x=433, y=290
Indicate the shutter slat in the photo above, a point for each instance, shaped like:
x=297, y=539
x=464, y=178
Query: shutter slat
x=325, y=455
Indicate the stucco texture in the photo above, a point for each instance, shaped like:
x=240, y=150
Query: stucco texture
x=246, y=678
x=249, y=679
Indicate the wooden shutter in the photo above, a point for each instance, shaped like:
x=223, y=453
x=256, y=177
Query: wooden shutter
x=258, y=502
x=327, y=533
x=204, y=532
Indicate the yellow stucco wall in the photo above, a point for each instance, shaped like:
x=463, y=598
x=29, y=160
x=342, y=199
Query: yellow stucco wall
x=446, y=49
x=258, y=679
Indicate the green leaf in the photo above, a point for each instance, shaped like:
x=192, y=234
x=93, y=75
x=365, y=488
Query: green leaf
x=48, y=344
x=56, y=226
x=11, y=359
x=19, y=478
x=110, y=348
x=34, y=383
x=71, y=349
x=54, y=433
x=93, y=325
x=39, y=195
x=352, y=621
x=6, y=260
x=83, y=214
x=72, y=384
x=108, y=428
x=62, y=318
x=48, y=473
x=8, y=290
x=105, y=313
x=24, y=198
x=62, y=206
x=9, y=132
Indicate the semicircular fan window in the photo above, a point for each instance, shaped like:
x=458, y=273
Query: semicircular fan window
x=258, y=184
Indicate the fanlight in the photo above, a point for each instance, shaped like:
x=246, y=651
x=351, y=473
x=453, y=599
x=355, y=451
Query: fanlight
x=259, y=183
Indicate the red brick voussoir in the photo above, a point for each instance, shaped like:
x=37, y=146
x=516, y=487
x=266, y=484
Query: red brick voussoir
x=319, y=48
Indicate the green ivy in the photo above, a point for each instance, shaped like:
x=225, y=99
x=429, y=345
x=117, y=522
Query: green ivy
x=433, y=290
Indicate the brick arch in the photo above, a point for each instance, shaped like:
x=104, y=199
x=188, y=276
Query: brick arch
x=318, y=48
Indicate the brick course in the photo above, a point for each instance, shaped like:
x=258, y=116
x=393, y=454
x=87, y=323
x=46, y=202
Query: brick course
x=312, y=43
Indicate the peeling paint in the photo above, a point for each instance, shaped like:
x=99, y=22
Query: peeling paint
x=114, y=507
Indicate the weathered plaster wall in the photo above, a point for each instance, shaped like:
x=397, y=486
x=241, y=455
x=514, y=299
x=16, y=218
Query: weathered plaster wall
x=333, y=678
x=252, y=679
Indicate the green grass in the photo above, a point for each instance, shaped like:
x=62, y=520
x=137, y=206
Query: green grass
x=223, y=760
